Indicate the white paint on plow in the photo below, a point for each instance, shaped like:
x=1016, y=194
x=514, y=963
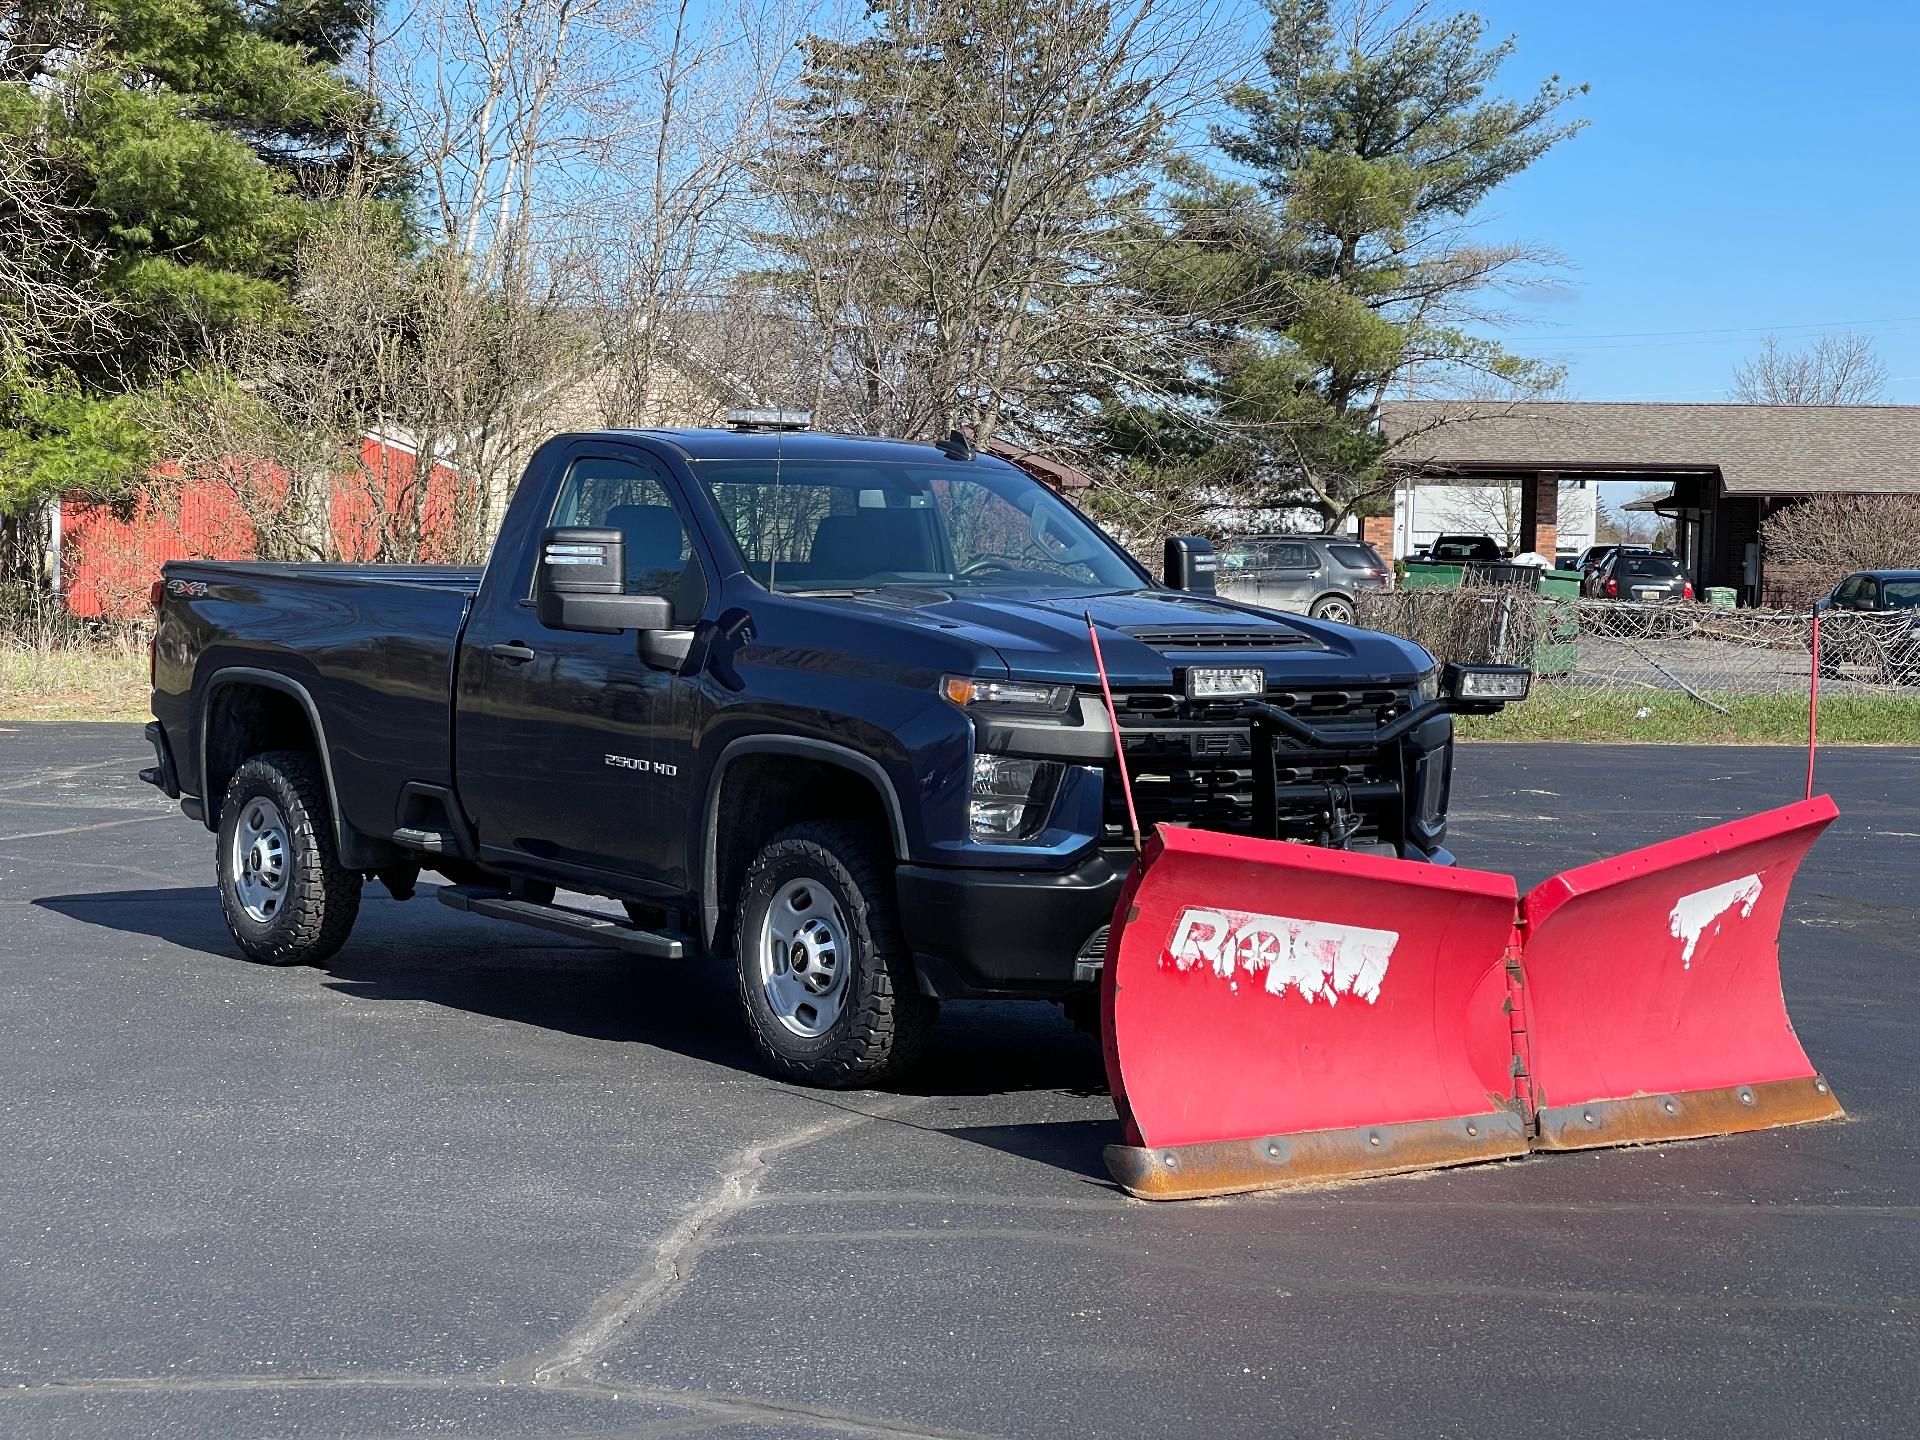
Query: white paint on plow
x=1322, y=961
x=1697, y=911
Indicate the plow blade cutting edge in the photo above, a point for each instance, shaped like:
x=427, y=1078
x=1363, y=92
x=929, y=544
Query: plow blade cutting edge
x=1277, y=1015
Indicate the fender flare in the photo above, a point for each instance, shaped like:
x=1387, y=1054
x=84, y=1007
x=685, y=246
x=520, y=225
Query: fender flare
x=231, y=675
x=803, y=746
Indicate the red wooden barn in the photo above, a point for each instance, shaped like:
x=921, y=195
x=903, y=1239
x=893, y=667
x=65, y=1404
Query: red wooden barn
x=110, y=557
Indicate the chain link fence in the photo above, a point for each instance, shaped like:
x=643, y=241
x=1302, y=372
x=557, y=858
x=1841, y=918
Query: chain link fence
x=1578, y=645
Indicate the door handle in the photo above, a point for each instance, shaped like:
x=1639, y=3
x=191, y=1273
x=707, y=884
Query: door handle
x=515, y=654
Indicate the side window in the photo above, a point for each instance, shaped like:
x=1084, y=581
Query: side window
x=1848, y=596
x=1292, y=557
x=626, y=496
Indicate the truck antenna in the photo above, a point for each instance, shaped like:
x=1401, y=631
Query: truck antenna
x=1113, y=719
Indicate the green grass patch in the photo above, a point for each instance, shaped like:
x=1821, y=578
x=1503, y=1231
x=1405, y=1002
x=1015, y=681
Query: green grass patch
x=84, y=682
x=1672, y=716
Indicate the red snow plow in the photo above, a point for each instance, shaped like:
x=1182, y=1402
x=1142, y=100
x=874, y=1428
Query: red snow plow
x=1276, y=1014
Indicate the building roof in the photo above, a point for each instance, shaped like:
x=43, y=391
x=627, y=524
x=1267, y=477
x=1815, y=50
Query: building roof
x=1756, y=449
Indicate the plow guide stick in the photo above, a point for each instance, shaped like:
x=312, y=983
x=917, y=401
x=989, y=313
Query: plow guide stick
x=1277, y=1015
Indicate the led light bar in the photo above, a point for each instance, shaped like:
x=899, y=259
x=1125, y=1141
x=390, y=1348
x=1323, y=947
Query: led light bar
x=1207, y=683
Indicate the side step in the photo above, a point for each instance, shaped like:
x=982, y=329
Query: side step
x=580, y=924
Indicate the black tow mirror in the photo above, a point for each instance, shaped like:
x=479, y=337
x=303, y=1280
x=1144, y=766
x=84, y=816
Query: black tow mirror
x=581, y=583
x=1188, y=563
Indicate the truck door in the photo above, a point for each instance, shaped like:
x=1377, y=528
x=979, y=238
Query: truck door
x=573, y=749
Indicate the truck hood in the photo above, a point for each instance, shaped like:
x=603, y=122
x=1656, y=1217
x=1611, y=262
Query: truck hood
x=1150, y=637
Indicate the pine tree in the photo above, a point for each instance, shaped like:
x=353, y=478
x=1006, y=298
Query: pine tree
x=1332, y=265
x=955, y=187
x=159, y=160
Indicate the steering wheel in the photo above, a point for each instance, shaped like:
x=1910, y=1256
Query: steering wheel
x=989, y=562
x=1055, y=550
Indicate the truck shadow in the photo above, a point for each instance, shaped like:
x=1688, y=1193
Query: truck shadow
x=420, y=952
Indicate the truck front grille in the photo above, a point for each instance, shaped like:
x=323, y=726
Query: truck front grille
x=1191, y=763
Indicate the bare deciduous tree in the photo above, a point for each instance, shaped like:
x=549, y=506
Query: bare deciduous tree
x=1836, y=370
x=1812, y=545
x=954, y=191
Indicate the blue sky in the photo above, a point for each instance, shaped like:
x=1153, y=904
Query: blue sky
x=1749, y=167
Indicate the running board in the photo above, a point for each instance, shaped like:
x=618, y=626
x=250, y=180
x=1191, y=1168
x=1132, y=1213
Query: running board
x=580, y=924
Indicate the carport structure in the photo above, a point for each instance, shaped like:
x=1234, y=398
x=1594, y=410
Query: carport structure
x=1724, y=467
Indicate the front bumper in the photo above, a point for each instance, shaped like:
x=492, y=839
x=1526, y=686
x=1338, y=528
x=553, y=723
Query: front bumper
x=977, y=934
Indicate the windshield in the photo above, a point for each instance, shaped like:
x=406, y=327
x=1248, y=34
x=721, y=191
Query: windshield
x=1465, y=549
x=837, y=525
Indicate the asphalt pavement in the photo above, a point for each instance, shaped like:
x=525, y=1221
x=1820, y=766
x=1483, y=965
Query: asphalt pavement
x=469, y=1182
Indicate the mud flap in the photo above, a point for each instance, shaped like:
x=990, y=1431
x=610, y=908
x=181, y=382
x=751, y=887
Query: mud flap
x=1280, y=1014
x=1652, y=994
x=1277, y=1015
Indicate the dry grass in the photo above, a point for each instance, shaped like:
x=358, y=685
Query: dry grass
x=106, y=680
x=1672, y=717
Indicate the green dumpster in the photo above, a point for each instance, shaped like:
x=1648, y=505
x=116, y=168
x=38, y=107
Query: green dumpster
x=1555, y=652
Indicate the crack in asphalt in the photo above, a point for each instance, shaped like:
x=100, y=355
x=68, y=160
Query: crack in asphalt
x=647, y=1290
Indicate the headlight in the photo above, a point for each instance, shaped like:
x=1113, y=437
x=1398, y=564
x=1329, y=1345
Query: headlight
x=1006, y=697
x=1010, y=797
x=1429, y=687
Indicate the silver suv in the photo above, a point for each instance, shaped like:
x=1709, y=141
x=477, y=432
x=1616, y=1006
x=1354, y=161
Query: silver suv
x=1315, y=574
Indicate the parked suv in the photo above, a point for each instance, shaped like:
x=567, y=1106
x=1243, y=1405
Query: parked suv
x=1316, y=575
x=1641, y=575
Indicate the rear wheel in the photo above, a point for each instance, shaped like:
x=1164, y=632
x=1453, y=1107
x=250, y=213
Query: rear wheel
x=287, y=899
x=1336, y=608
x=826, y=985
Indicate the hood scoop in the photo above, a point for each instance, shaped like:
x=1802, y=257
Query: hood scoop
x=1278, y=637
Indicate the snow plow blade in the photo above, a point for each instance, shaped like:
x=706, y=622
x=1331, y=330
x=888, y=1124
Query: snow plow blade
x=1651, y=990
x=1278, y=1015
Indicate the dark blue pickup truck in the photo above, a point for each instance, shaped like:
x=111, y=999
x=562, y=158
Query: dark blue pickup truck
x=825, y=705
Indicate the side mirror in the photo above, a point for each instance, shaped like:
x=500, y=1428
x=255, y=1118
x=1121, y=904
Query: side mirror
x=581, y=581
x=1188, y=563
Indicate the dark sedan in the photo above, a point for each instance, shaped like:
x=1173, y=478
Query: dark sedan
x=1883, y=645
x=1638, y=575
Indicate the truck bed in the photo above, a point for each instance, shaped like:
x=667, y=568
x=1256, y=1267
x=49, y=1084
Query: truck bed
x=372, y=647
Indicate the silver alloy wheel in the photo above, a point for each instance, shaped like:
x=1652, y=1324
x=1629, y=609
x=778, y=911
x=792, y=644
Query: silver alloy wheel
x=1338, y=611
x=258, y=859
x=804, y=955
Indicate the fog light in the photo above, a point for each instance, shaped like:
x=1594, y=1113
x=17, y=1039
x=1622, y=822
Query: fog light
x=1010, y=797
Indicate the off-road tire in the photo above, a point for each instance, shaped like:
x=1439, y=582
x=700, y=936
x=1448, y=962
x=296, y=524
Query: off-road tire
x=884, y=1020
x=321, y=898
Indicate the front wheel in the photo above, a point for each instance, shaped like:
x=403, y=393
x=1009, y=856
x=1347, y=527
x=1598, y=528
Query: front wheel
x=288, y=900
x=1336, y=608
x=826, y=984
